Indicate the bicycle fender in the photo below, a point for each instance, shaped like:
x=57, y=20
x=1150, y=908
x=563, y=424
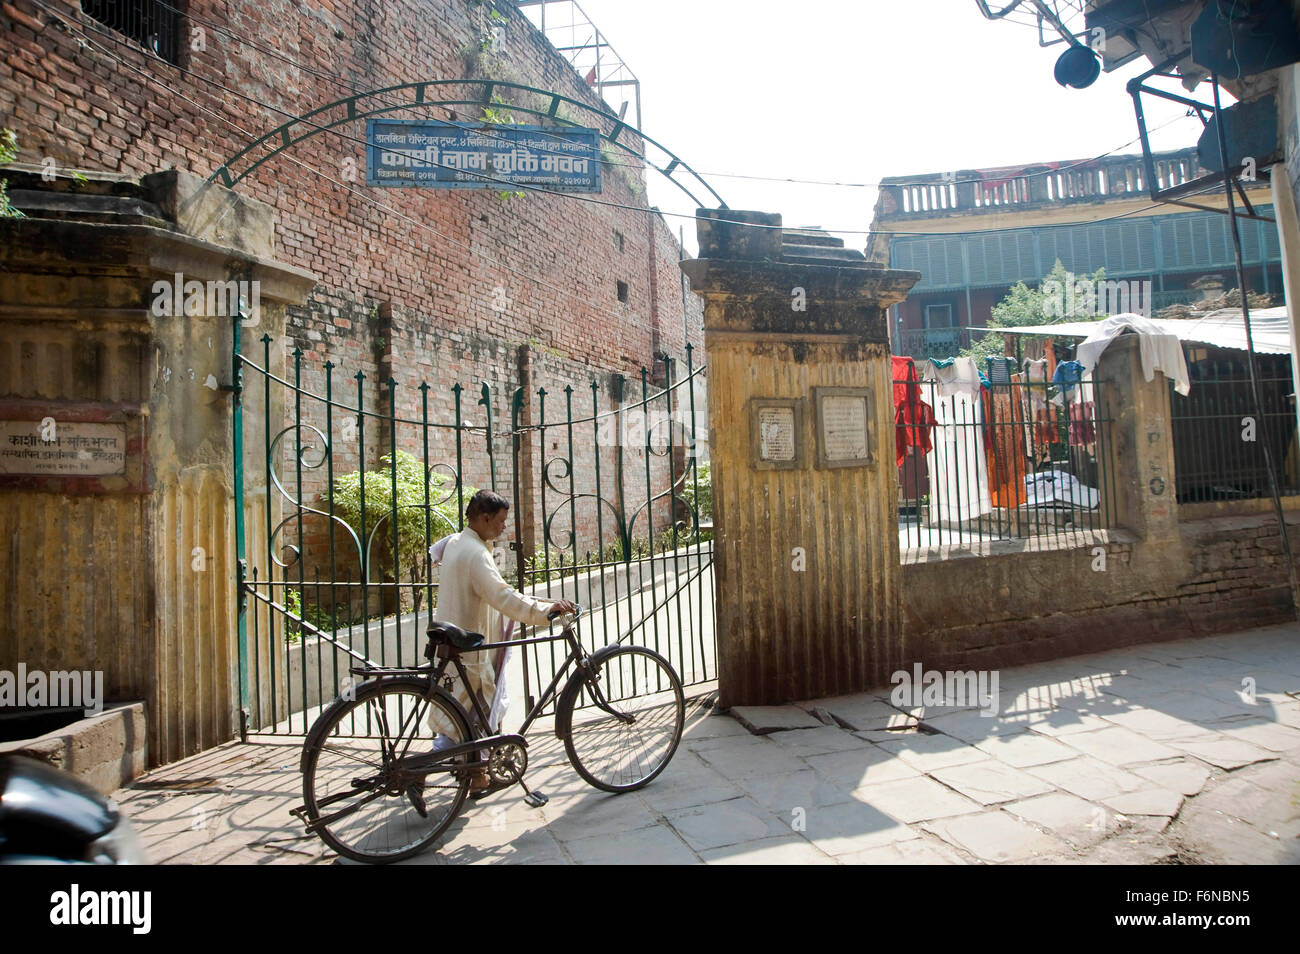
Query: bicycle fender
x=563, y=711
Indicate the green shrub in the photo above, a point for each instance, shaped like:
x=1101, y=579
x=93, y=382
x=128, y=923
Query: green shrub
x=8, y=153
x=697, y=491
x=412, y=544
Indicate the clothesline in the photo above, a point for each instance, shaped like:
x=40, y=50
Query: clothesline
x=978, y=437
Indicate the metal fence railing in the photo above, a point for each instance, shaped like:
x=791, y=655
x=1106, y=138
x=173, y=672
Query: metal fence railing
x=1021, y=460
x=1219, y=438
x=342, y=486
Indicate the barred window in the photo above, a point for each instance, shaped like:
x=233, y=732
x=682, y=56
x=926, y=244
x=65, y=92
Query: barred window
x=153, y=24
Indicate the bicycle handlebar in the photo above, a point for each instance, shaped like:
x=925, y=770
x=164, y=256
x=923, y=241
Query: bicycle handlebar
x=558, y=613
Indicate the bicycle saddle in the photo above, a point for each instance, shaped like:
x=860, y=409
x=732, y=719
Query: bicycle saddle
x=454, y=636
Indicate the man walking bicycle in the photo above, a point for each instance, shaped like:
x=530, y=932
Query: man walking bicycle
x=473, y=596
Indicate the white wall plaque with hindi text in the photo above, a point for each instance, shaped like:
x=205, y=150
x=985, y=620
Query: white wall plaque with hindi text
x=843, y=426
x=78, y=449
x=776, y=433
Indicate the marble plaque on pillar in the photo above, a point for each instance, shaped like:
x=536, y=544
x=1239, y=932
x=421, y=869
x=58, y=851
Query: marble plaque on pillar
x=776, y=433
x=843, y=427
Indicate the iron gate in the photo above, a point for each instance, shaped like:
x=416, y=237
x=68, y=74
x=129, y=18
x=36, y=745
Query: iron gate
x=341, y=487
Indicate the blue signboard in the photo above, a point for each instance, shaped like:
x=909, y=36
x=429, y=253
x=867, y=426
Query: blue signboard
x=406, y=152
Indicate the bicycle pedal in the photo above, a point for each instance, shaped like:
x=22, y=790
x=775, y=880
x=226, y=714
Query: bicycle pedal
x=536, y=799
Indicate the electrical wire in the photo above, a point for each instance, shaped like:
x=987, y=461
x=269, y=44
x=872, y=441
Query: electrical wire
x=642, y=165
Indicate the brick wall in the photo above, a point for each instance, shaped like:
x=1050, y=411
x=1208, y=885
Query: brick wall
x=424, y=286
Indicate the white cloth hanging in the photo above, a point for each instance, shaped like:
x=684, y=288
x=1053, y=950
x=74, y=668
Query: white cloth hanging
x=962, y=376
x=959, y=487
x=1160, y=350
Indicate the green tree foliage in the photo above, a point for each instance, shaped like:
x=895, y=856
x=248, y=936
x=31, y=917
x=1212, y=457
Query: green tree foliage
x=8, y=153
x=412, y=543
x=701, y=501
x=1031, y=306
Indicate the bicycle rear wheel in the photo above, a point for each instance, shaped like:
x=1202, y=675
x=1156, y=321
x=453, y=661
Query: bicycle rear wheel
x=359, y=776
x=623, y=726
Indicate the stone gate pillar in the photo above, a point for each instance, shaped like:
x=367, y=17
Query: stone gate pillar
x=801, y=439
x=117, y=306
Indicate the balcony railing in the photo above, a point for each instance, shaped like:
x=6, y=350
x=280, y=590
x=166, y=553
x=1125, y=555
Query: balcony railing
x=929, y=342
x=1045, y=184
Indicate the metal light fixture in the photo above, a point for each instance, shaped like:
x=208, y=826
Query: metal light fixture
x=1078, y=67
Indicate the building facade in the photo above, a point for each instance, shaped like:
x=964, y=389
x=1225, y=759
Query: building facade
x=974, y=234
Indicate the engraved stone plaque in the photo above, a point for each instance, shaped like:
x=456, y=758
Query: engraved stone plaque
x=843, y=426
x=76, y=449
x=776, y=433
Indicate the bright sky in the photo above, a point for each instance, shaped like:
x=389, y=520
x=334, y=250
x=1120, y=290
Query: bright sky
x=854, y=91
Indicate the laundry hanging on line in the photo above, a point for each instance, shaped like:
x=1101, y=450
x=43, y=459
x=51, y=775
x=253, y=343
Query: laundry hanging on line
x=913, y=418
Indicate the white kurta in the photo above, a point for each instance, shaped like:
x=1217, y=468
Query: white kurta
x=473, y=596
x=959, y=487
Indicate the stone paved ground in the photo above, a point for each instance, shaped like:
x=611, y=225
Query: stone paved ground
x=1150, y=755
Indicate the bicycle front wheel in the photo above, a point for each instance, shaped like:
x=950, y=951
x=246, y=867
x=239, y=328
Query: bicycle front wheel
x=624, y=722
x=367, y=777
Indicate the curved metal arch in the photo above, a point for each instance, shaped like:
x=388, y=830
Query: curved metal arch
x=284, y=138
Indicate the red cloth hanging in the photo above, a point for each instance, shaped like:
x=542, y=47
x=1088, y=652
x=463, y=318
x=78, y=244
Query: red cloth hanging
x=913, y=418
x=1082, y=431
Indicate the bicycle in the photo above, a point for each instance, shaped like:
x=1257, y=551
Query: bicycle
x=620, y=715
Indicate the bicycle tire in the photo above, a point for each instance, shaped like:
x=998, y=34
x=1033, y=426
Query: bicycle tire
x=386, y=827
x=609, y=754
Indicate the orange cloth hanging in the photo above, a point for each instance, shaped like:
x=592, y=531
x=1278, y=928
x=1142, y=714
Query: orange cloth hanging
x=1004, y=424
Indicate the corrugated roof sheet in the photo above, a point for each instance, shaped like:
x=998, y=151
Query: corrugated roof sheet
x=1269, y=327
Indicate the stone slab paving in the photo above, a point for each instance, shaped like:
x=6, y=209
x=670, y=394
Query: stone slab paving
x=1149, y=801
x=898, y=727
x=1026, y=749
x=926, y=752
x=861, y=767
x=1089, y=778
x=974, y=726
x=997, y=837
x=1166, y=752
x=1079, y=822
x=761, y=720
x=1119, y=746
x=820, y=741
x=1183, y=776
x=915, y=799
x=990, y=782
x=860, y=712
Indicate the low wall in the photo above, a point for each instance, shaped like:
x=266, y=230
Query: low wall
x=1017, y=604
x=106, y=751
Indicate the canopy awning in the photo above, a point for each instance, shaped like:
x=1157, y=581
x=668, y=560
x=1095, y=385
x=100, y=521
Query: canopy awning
x=1269, y=327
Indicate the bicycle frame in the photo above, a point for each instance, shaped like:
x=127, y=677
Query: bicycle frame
x=404, y=775
x=438, y=675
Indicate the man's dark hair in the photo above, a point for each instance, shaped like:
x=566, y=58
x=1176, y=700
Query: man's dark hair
x=487, y=503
